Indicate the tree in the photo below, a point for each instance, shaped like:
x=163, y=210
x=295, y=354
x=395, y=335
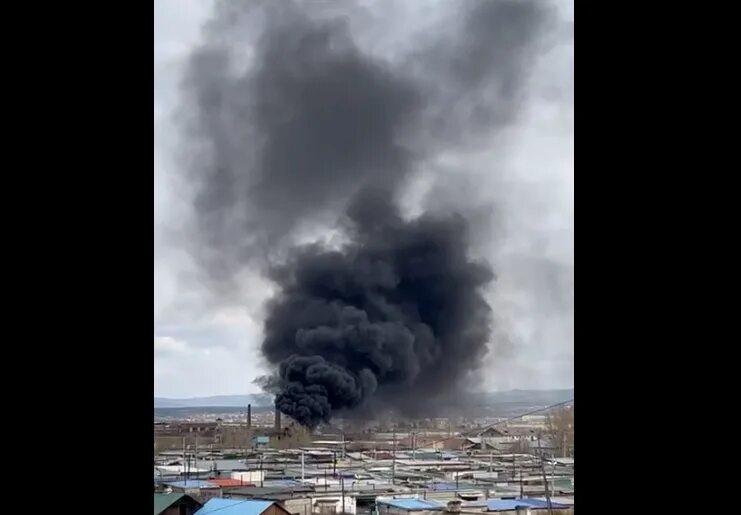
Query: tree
x=560, y=430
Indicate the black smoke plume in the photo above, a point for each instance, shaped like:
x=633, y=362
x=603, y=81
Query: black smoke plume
x=396, y=314
x=288, y=117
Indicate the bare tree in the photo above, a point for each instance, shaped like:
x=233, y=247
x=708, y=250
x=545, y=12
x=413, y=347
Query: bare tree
x=560, y=431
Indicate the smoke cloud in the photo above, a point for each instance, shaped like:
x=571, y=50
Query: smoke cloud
x=395, y=314
x=292, y=122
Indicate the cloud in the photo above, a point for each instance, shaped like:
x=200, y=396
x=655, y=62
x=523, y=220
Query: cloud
x=164, y=345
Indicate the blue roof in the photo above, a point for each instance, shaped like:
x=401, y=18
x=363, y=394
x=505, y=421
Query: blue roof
x=412, y=504
x=513, y=504
x=234, y=507
x=191, y=483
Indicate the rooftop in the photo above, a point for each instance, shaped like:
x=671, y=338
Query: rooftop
x=229, y=482
x=513, y=504
x=234, y=507
x=164, y=501
x=412, y=504
x=191, y=483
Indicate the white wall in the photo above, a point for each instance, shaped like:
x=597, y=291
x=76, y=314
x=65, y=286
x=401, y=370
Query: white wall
x=350, y=505
x=250, y=476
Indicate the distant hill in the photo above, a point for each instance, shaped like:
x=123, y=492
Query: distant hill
x=257, y=399
x=531, y=397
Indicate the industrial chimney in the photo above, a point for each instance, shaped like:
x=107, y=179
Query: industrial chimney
x=249, y=415
x=277, y=419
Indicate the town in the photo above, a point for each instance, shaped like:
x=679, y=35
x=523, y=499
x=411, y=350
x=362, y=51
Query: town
x=240, y=463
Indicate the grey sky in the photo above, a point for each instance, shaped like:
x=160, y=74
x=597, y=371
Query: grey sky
x=527, y=175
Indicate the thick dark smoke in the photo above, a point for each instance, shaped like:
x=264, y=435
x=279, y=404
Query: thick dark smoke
x=291, y=121
x=395, y=314
x=310, y=121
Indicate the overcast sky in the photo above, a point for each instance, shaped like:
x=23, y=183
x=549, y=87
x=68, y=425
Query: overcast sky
x=200, y=350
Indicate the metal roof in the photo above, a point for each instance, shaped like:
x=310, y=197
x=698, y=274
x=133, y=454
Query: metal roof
x=229, y=482
x=451, y=486
x=164, y=501
x=513, y=504
x=539, y=503
x=224, y=465
x=282, y=483
x=234, y=507
x=412, y=504
x=504, y=504
x=276, y=492
x=192, y=483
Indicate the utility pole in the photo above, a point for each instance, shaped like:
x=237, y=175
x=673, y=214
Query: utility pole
x=302, y=466
x=342, y=486
x=522, y=493
x=185, y=469
x=262, y=474
x=514, y=474
x=545, y=479
x=564, y=444
x=393, y=458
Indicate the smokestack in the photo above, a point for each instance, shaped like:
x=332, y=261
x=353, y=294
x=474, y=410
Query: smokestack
x=249, y=415
x=277, y=419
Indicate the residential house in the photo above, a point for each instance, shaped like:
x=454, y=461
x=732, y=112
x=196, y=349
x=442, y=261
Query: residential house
x=175, y=504
x=200, y=490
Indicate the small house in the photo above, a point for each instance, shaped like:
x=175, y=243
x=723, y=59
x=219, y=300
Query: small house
x=198, y=489
x=175, y=504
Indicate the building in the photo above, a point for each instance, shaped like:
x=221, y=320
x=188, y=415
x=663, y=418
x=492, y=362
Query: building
x=241, y=507
x=200, y=490
x=294, y=500
x=261, y=442
x=526, y=505
x=175, y=504
x=248, y=477
x=406, y=506
x=227, y=483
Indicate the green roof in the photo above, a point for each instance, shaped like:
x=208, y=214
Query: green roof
x=164, y=501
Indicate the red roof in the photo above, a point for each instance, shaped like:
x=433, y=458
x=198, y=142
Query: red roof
x=229, y=482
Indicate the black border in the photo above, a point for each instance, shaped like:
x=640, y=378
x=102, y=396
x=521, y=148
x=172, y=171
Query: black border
x=80, y=233
x=83, y=206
